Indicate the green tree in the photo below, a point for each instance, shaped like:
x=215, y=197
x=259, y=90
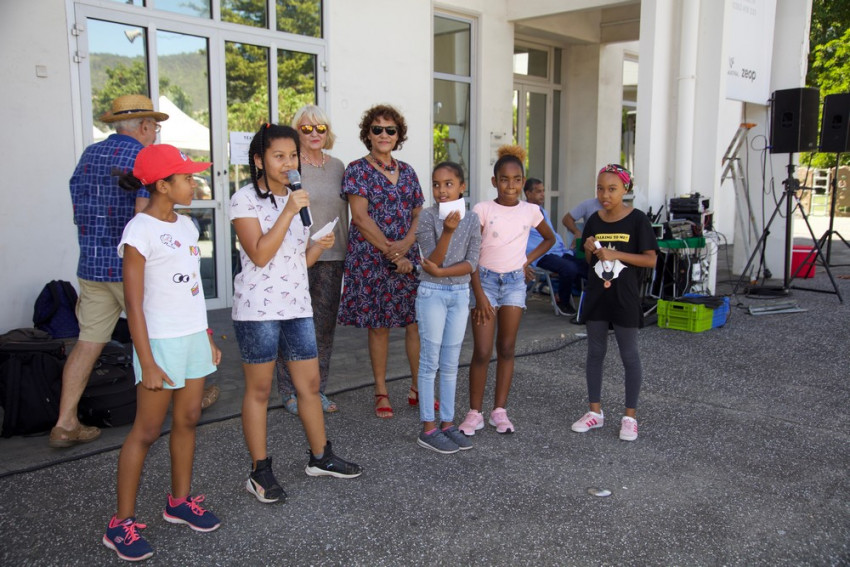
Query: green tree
x=829, y=61
x=133, y=79
x=302, y=17
x=245, y=12
x=830, y=19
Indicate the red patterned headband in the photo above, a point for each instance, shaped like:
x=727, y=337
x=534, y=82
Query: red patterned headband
x=624, y=174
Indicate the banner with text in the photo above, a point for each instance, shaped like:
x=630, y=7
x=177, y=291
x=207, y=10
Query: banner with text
x=749, y=49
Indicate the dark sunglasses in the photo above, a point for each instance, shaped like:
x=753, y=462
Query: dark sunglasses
x=390, y=130
x=308, y=128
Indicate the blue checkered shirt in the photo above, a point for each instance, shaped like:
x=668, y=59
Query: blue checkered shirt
x=101, y=207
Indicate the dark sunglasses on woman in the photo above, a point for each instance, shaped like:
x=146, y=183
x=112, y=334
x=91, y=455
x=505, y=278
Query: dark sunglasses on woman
x=308, y=128
x=390, y=130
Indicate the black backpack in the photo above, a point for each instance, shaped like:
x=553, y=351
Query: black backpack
x=55, y=310
x=109, y=399
x=30, y=381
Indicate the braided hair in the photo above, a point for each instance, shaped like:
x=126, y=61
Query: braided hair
x=259, y=144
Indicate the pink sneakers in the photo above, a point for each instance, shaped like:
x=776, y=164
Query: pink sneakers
x=628, y=429
x=499, y=420
x=472, y=423
x=590, y=420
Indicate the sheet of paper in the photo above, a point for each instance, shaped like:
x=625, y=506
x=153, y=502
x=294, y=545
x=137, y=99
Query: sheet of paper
x=458, y=205
x=325, y=230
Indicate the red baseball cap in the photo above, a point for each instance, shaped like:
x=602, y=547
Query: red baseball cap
x=158, y=161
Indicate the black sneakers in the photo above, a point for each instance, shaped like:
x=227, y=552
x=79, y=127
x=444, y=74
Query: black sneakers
x=262, y=483
x=331, y=465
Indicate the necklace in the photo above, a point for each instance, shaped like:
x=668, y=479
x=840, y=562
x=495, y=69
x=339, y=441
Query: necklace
x=306, y=160
x=391, y=168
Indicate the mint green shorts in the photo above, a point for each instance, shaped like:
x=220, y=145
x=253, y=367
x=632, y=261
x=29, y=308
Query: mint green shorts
x=182, y=358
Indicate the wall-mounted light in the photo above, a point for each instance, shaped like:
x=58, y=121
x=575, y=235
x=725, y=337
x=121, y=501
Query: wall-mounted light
x=133, y=34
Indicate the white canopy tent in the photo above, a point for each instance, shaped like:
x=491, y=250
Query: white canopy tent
x=180, y=130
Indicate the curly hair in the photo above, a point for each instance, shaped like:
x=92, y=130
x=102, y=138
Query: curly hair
x=386, y=112
x=510, y=154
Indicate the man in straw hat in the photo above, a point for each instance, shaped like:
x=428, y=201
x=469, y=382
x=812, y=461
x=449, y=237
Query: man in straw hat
x=101, y=209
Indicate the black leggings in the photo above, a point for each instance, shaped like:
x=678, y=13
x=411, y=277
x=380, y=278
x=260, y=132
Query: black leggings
x=597, y=346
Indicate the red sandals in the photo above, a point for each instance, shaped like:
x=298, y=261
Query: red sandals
x=384, y=412
x=413, y=399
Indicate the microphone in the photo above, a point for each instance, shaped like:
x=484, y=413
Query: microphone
x=295, y=185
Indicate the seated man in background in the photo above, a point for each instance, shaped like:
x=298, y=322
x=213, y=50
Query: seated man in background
x=559, y=259
x=582, y=211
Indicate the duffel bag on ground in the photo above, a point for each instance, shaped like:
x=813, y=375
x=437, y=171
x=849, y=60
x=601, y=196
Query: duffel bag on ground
x=30, y=381
x=109, y=399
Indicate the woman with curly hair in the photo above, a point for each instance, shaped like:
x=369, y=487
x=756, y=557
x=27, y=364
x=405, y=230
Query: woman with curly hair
x=379, y=291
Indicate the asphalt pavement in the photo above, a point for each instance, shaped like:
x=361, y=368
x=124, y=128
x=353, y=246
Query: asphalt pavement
x=742, y=459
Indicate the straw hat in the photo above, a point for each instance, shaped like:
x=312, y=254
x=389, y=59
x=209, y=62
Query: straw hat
x=126, y=107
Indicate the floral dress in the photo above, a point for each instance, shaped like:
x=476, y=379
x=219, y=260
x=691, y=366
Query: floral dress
x=373, y=295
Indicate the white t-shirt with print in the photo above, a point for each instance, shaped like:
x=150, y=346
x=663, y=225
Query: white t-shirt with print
x=173, y=302
x=279, y=289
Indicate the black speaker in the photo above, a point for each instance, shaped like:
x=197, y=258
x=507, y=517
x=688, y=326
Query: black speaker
x=835, y=129
x=794, y=121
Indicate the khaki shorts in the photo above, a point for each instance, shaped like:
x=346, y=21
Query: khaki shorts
x=98, y=308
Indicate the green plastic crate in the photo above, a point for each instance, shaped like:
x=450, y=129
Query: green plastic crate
x=682, y=316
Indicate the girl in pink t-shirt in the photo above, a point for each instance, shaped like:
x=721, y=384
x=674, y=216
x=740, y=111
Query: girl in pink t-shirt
x=498, y=285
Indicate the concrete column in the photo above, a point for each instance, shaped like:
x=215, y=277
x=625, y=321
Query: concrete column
x=689, y=37
x=582, y=89
x=788, y=70
x=655, y=128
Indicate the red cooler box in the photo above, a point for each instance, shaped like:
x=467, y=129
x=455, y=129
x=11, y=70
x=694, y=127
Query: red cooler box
x=798, y=256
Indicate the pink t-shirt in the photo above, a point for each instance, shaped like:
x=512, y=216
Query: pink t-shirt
x=504, y=234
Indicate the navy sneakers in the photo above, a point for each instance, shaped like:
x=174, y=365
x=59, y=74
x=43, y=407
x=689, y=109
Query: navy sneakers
x=124, y=538
x=189, y=512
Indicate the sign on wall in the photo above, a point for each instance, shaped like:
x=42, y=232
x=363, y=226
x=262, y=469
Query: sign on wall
x=749, y=49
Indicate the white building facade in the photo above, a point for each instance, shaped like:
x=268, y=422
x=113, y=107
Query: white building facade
x=468, y=75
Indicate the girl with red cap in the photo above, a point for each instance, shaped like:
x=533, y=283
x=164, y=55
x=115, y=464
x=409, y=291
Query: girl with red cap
x=172, y=349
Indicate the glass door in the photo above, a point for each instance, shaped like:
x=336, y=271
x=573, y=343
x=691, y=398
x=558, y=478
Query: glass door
x=532, y=131
x=210, y=79
x=537, y=116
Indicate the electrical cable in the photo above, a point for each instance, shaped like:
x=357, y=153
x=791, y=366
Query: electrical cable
x=210, y=421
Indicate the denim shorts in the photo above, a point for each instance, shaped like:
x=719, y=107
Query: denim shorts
x=182, y=358
x=260, y=341
x=502, y=290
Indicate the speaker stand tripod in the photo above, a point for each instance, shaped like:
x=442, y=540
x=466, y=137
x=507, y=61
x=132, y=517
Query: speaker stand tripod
x=789, y=198
x=827, y=236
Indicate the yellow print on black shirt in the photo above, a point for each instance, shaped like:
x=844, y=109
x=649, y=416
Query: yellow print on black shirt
x=614, y=237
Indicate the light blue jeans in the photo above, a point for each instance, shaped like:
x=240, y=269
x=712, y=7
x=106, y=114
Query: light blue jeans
x=442, y=312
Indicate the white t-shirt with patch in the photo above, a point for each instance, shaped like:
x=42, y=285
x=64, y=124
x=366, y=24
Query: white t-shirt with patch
x=278, y=290
x=173, y=302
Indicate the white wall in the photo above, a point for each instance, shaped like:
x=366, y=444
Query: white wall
x=372, y=61
x=788, y=70
x=38, y=238
x=494, y=90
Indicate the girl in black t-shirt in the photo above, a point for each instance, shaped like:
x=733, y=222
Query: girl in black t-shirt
x=618, y=240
